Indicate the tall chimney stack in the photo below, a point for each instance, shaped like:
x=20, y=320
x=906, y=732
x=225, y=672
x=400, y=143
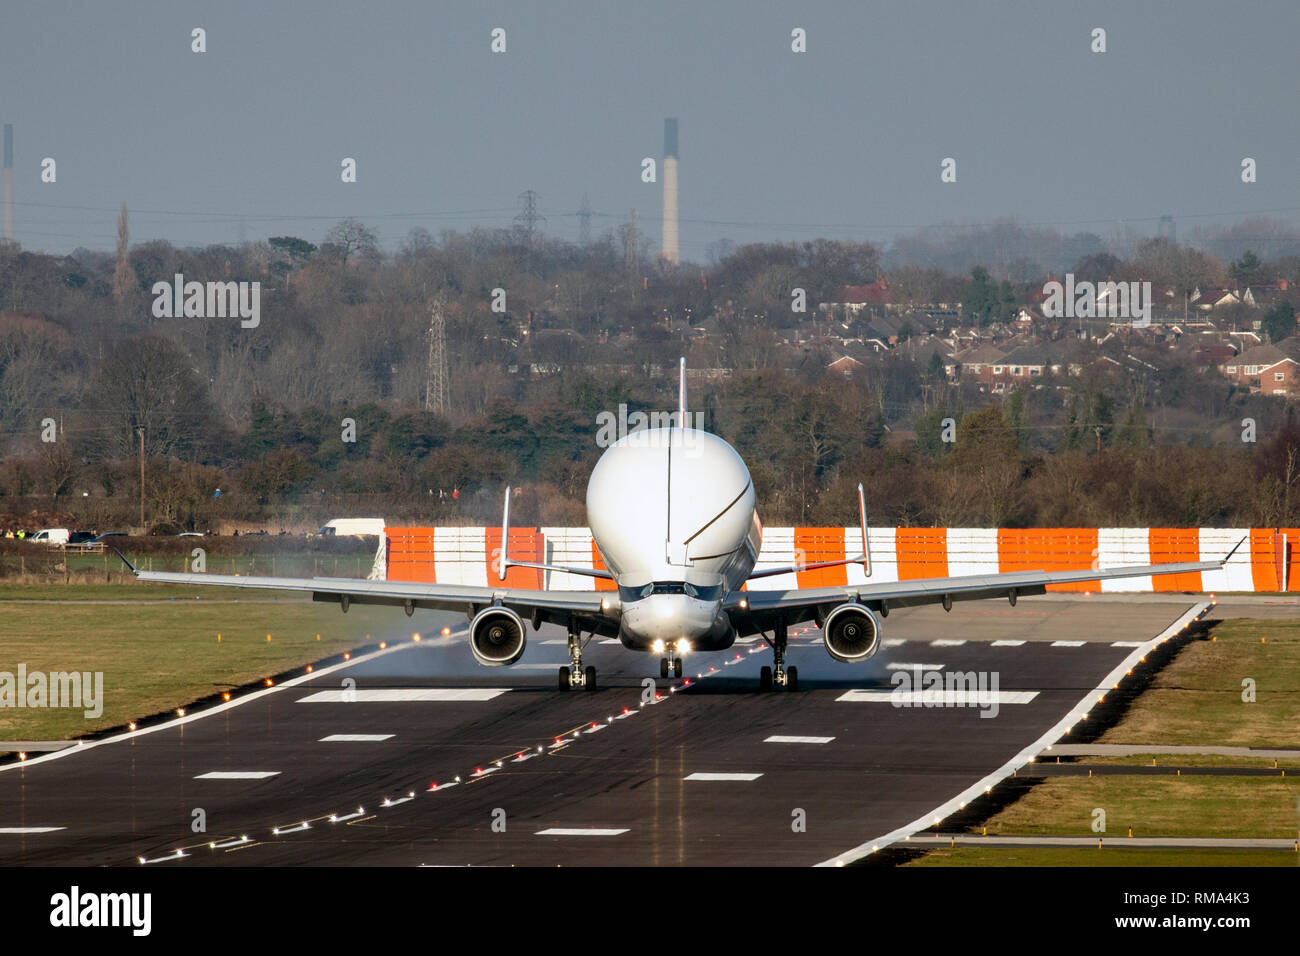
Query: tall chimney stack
x=9, y=181
x=670, y=191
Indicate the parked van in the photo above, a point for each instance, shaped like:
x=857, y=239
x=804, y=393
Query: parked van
x=51, y=536
x=358, y=526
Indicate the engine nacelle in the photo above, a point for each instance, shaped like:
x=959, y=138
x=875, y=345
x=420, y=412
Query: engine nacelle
x=851, y=633
x=496, y=636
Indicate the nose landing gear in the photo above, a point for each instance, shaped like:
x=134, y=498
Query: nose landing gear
x=575, y=675
x=670, y=667
x=781, y=676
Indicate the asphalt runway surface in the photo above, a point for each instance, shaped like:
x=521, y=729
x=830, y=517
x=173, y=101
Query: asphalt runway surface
x=420, y=756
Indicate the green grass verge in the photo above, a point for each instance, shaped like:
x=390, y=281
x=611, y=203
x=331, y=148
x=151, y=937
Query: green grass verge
x=1156, y=806
x=1109, y=855
x=1197, y=699
x=158, y=656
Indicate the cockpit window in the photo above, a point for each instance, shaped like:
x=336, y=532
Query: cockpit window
x=699, y=592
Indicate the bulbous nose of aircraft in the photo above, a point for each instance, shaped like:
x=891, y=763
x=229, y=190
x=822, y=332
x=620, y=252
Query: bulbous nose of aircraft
x=667, y=617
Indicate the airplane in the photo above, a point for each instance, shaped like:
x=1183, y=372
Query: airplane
x=672, y=511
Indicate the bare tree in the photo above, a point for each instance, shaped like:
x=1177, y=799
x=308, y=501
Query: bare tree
x=122, y=277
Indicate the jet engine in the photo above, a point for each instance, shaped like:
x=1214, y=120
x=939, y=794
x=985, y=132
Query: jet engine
x=496, y=636
x=851, y=633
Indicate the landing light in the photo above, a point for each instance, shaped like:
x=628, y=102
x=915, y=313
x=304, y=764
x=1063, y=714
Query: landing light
x=684, y=646
x=657, y=646
x=446, y=631
x=744, y=603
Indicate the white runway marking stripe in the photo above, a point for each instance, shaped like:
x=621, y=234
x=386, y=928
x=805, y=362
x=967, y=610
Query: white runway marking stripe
x=391, y=695
x=1126, y=644
x=576, y=831
x=237, y=775
x=900, y=665
x=785, y=739
x=743, y=777
x=937, y=697
x=894, y=641
x=4, y=830
x=355, y=738
x=944, y=643
x=1068, y=643
x=1007, y=643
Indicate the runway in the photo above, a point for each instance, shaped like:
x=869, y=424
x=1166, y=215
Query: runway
x=421, y=757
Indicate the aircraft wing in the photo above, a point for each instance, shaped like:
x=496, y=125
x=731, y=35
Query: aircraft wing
x=591, y=608
x=753, y=611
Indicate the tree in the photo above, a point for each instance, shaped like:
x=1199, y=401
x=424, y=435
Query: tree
x=148, y=382
x=296, y=249
x=1279, y=322
x=350, y=238
x=979, y=300
x=1246, y=271
x=122, y=270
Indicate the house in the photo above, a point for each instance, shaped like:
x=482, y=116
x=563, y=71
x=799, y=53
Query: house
x=854, y=298
x=1267, y=369
x=982, y=363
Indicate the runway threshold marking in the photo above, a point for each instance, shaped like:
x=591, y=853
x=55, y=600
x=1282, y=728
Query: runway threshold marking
x=936, y=697
x=790, y=739
x=734, y=777
x=581, y=831
x=355, y=738
x=901, y=665
x=237, y=775
x=401, y=695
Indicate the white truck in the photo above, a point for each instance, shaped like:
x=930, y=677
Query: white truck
x=353, y=526
x=51, y=536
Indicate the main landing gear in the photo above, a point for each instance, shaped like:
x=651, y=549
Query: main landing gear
x=670, y=667
x=575, y=675
x=781, y=676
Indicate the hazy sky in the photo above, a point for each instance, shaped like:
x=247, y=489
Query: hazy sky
x=844, y=140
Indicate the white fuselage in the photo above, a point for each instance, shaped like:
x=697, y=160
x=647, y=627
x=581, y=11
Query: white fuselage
x=672, y=511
